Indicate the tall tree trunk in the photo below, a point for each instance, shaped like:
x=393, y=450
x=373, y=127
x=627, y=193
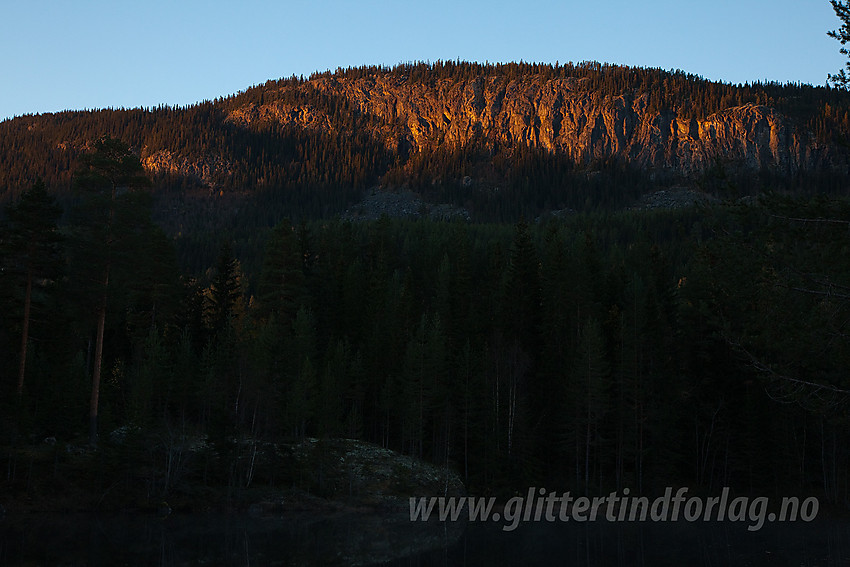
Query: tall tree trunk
x=587, y=455
x=25, y=333
x=98, y=359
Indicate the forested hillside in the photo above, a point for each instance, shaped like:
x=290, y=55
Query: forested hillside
x=502, y=140
x=179, y=292
x=637, y=349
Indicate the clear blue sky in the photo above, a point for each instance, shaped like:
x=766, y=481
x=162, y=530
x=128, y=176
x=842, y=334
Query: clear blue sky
x=65, y=54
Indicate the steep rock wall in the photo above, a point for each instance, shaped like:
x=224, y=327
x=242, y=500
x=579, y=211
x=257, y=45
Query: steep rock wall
x=560, y=116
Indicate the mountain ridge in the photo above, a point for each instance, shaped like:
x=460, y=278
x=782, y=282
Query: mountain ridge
x=499, y=140
x=558, y=117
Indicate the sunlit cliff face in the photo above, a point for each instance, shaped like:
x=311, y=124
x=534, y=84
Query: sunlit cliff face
x=560, y=116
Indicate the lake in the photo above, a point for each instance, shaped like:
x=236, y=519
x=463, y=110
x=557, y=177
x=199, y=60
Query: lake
x=391, y=539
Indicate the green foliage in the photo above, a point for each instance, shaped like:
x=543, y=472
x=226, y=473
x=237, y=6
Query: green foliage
x=108, y=167
x=224, y=293
x=782, y=283
x=110, y=226
x=631, y=349
x=33, y=223
x=31, y=254
x=636, y=349
x=842, y=11
x=282, y=282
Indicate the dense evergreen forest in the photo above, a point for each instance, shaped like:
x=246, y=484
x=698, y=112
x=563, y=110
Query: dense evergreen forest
x=637, y=349
x=211, y=175
x=147, y=313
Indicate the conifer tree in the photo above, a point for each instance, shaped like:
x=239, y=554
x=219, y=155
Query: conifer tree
x=842, y=10
x=522, y=301
x=282, y=283
x=34, y=249
x=224, y=291
x=107, y=176
x=592, y=372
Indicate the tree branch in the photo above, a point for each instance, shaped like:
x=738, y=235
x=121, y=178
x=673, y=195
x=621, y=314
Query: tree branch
x=766, y=368
x=817, y=220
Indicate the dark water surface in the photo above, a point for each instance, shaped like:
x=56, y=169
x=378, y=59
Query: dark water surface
x=90, y=540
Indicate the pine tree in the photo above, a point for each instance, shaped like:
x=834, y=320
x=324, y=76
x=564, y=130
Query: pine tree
x=107, y=177
x=34, y=249
x=842, y=11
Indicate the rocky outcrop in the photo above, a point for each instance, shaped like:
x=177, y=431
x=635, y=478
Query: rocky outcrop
x=365, y=474
x=403, y=204
x=279, y=111
x=560, y=115
x=204, y=169
x=674, y=198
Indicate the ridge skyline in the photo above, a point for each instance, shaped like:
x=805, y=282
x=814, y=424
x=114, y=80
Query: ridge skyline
x=92, y=55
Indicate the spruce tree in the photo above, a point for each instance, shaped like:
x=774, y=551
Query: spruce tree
x=282, y=283
x=224, y=292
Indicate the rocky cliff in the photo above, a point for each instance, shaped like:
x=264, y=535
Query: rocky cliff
x=559, y=115
x=201, y=168
x=498, y=141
